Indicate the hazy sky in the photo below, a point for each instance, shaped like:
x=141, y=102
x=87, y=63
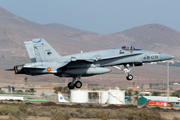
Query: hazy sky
x=100, y=16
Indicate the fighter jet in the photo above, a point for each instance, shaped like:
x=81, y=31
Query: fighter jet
x=45, y=60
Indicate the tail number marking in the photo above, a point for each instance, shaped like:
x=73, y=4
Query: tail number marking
x=151, y=57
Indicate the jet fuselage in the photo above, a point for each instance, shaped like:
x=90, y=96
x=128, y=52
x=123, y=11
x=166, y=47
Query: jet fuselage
x=45, y=60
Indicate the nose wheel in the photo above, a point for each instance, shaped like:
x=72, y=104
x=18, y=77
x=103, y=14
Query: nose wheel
x=129, y=77
x=126, y=69
x=77, y=84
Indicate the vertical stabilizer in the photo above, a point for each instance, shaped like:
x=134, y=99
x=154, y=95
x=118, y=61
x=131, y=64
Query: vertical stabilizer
x=46, y=52
x=30, y=50
x=61, y=98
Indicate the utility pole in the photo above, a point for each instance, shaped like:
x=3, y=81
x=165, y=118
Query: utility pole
x=167, y=81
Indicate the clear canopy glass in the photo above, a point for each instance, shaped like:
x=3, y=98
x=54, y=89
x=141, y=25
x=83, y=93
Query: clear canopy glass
x=128, y=47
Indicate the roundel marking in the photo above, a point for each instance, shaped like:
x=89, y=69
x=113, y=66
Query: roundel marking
x=48, y=69
x=61, y=98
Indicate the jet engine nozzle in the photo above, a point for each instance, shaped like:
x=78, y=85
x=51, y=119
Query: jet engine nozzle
x=18, y=69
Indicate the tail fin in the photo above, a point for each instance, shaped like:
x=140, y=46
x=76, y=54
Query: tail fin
x=45, y=51
x=30, y=50
x=61, y=98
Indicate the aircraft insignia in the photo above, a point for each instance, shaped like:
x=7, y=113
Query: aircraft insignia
x=48, y=69
x=39, y=41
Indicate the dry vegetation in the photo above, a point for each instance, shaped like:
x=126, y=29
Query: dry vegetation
x=55, y=111
x=60, y=113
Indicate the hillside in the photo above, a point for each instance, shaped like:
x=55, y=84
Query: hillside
x=14, y=31
x=155, y=37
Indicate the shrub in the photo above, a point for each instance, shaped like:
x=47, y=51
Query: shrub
x=81, y=111
x=176, y=118
x=113, y=106
x=104, y=118
x=19, y=112
x=144, y=106
x=88, y=114
x=100, y=114
x=2, y=92
x=48, y=103
x=132, y=114
x=60, y=117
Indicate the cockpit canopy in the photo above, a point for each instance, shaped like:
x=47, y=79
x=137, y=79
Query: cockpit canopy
x=128, y=47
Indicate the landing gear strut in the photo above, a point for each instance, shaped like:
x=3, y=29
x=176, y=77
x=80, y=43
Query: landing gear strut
x=76, y=84
x=126, y=69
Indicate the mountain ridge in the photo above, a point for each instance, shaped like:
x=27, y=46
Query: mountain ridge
x=14, y=31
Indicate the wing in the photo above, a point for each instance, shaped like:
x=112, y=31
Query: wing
x=98, y=57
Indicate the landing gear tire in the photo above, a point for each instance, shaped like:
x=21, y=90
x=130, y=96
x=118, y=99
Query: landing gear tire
x=129, y=77
x=70, y=86
x=78, y=84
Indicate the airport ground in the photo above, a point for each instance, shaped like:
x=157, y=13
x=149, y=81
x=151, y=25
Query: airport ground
x=45, y=90
x=90, y=111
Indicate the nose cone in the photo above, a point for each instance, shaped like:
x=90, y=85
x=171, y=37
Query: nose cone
x=164, y=56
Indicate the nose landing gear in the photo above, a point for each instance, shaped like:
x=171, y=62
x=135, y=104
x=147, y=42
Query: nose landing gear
x=77, y=84
x=129, y=77
x=126, y=69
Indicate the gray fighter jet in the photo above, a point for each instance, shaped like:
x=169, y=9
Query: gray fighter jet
x=45, y=60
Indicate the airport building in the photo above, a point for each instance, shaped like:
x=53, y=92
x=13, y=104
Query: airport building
x=143, y=100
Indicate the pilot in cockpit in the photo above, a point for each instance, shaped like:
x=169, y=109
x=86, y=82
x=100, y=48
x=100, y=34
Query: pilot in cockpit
x=131, y=48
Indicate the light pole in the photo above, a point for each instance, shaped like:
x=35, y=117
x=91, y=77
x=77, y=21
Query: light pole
x=167, y=81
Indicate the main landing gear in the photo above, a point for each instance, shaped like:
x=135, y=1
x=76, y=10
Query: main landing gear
x=126, y=69
x=75, y=83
